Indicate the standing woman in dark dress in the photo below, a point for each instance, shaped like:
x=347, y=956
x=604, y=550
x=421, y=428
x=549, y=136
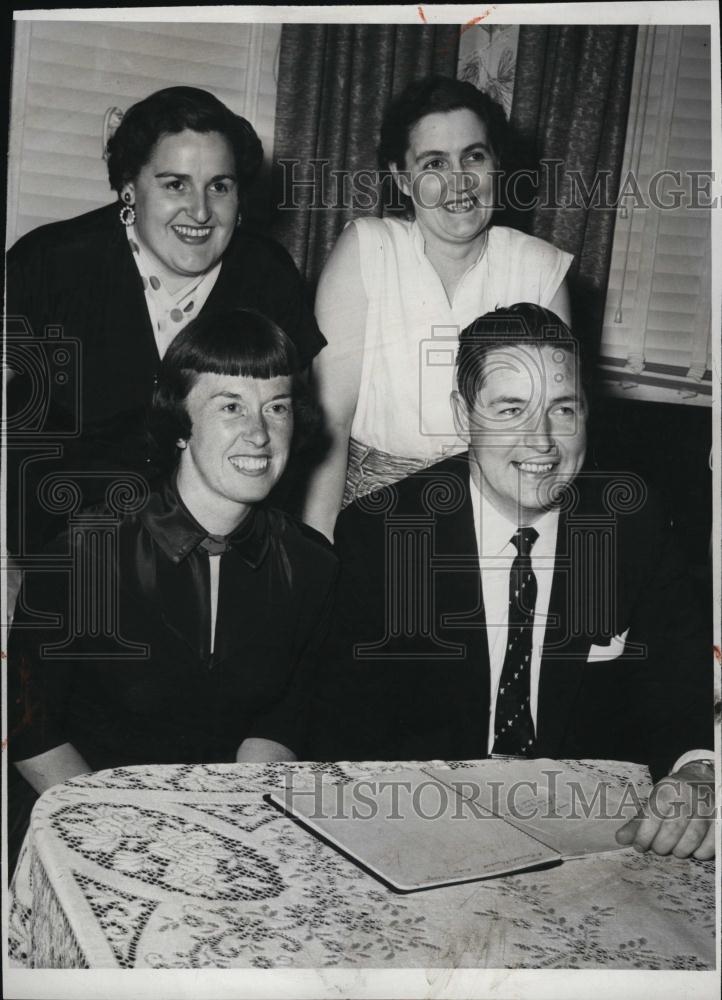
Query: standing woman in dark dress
x=118, y=283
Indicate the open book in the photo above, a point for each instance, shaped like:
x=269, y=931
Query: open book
x=433, y=826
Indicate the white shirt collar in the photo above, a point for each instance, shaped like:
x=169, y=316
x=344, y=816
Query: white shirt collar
x=494, y=531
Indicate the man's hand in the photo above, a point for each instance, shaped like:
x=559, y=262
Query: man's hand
x=678, y=818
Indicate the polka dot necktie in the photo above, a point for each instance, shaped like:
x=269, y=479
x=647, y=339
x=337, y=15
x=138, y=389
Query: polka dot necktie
x=513, y=725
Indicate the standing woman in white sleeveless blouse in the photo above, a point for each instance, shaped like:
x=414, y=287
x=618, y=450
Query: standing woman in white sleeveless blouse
x=395, y=293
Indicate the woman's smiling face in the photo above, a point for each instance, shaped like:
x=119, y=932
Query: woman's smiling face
x=449, y=175
x=186, y=203
x=241, y=431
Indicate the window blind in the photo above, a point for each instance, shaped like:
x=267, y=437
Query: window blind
x=656, y=336
x=67, y=74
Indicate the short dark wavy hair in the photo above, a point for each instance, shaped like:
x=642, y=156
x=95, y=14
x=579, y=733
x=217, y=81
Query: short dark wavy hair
x=429, y=96
x=172, y=110
x=523, y=324
x=230, y=342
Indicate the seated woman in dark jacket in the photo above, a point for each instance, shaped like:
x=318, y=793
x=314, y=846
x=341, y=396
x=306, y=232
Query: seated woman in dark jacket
x=186, y=619
x=93, y=302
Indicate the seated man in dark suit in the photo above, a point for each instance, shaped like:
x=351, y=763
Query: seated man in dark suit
x=511, y=601
x=178, y=625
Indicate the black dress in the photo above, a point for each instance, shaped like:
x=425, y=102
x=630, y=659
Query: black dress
x=82, y=343
x=144, y=688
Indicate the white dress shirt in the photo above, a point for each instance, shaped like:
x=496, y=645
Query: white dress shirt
x=496, y=554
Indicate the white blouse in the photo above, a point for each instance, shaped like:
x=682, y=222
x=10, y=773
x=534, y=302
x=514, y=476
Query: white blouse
x=412, y=330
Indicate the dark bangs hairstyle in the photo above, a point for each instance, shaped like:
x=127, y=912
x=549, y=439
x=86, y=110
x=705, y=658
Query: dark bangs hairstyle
x=429, y=96
x=173, y=110
x=524, y=324
x=232, y=342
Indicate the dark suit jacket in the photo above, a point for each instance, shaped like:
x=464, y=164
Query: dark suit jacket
x=406, y=668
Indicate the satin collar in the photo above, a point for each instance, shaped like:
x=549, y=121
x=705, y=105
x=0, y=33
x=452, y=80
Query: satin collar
x=177, y=532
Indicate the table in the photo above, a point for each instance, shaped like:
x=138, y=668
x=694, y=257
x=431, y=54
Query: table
x=188, y=867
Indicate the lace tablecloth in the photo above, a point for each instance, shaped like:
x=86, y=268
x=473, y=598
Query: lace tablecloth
x=188, y=867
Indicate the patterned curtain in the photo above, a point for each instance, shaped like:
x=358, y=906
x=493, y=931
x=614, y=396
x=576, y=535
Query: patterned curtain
x=571, y=98
x=334, y=82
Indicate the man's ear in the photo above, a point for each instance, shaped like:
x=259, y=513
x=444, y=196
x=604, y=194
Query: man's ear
x=402, y=179
x=461, y=416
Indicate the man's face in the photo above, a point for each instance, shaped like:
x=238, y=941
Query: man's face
x=527, y=429
x=241, y=430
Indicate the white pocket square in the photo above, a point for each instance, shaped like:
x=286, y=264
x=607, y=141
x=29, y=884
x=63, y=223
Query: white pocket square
x=610, y=652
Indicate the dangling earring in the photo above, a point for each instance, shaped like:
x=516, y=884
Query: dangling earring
x=127, y=212
x=181, y=443
x=239, y=219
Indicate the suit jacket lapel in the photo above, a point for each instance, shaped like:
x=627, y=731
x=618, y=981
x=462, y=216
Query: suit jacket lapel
x=460, y=604
x=458, y=558
x=565, y=645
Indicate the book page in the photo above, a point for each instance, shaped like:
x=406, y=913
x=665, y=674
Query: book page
x=563, y=806
x=414, y=831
